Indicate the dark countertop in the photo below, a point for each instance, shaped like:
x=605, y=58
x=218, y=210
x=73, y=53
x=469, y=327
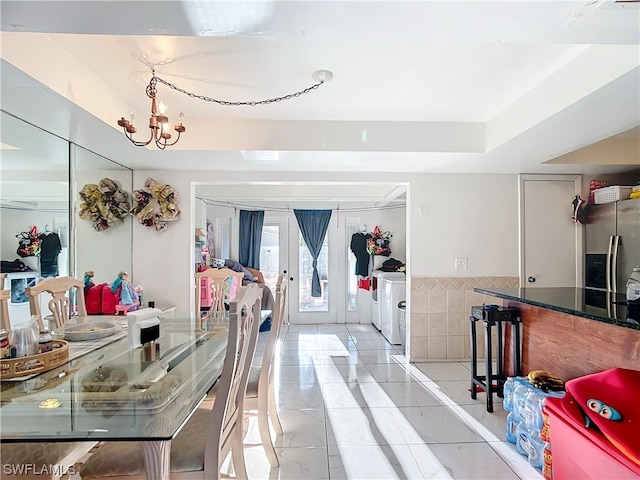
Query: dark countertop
x=581, y=302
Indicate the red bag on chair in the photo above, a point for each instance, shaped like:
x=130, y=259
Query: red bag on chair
x=93, y=299
x=109, y=300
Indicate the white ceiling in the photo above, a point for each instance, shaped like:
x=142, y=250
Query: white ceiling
x=420, y=86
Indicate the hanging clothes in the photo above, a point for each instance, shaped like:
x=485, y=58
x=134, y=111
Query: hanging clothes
x=50, y=248
x=359, y=248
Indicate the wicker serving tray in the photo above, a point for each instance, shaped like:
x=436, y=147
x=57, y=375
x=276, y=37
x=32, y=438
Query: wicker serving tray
x=34, y=364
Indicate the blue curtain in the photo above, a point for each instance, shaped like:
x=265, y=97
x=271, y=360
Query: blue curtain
x=313, y=226
x=250, y=237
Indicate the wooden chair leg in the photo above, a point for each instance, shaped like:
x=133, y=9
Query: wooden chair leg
x=237, y=454
x=265, y=434
x=273, y=412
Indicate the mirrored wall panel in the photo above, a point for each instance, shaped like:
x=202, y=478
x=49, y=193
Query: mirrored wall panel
x=34, y=209
x=102, y=226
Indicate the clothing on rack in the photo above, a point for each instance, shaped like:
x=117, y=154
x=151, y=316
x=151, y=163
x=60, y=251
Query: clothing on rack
x=359, y=248
x=50, y=248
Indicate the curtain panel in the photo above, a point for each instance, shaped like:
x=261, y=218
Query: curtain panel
x=250, y=237
x=313, y=226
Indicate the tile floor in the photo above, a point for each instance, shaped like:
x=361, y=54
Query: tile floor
x=352, y=409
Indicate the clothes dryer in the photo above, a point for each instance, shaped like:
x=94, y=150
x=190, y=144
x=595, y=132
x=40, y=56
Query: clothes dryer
x=392, y=292
x=377, y=276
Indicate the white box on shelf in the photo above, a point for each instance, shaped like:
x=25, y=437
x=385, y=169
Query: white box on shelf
x=611, y=194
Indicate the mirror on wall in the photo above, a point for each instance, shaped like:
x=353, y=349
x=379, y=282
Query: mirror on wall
x=41, y=175
x=102, y=237
x=34, y=197
x=34, y=190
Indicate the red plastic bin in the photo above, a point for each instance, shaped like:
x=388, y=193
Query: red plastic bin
x=580, y=453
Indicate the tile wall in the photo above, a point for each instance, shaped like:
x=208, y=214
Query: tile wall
x=440, y=308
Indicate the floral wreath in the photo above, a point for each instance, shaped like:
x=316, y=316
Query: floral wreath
x=155, y=205
x=104, y=205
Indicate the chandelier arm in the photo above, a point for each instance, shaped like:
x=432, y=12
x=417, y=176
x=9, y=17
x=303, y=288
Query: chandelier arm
x=137, y=143
x=236, y=104
x=165, y=144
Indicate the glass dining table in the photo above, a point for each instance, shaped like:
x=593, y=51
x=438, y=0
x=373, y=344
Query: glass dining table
x=108, y=391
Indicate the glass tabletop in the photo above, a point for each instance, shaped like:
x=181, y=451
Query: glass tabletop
x=114, y=392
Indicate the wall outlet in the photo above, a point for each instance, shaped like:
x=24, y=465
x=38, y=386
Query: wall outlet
x=460, y=263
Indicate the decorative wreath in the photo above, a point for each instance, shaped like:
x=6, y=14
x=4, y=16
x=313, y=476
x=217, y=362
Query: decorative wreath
x=155, y=205
x=104, y=205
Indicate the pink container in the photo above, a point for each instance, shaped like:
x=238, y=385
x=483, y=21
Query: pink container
x=582, y=453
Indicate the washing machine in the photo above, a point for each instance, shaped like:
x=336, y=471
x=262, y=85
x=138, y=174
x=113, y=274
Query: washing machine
x=376, y=284
x=392, y=292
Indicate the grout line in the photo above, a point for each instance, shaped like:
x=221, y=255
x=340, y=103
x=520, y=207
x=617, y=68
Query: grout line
x=512, y=458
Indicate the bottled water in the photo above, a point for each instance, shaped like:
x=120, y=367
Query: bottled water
x=536, y=455
x=507, y=400
x=523, y=439
x=512, y=426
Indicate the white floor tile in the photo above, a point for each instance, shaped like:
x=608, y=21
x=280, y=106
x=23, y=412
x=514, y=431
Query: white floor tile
x=354, y=373
x=302, y=428
x=408, y=394
x=304, y=396
x=444, y=371
x=465, y=461
x=362, y=426
x=352, y=395
x=299, y=374
x=295, y=464
x=433, y=424
x=373, y=462
x=389, y=372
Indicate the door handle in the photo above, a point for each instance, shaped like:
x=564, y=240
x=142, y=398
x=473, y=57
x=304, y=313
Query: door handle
x=291, y=279
x=284, y=272
x=531, y=279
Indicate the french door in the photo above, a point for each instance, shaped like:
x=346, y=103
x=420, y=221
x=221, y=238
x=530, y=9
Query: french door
x=292, y=258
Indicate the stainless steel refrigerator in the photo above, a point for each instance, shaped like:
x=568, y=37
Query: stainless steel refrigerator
x=612, y=245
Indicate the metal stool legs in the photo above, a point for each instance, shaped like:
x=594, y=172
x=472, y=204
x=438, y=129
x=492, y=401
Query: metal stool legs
x=491, y=317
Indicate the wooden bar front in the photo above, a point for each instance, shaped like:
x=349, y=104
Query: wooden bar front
x=570, y=346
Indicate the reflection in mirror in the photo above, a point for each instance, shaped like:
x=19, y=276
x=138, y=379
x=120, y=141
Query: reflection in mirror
x=105, y=251
x=34, y=192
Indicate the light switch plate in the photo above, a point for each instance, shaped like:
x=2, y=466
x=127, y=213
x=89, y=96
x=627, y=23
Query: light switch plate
x=460, y=263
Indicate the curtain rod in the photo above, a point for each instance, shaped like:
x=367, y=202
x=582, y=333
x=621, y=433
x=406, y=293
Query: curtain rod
x=219, y=203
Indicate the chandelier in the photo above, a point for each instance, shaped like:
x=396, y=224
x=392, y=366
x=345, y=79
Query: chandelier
x=159, y=122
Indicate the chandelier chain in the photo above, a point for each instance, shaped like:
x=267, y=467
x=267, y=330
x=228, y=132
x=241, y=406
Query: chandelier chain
x=236, y=104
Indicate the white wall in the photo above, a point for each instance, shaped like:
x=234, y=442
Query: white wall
x=470, y=216
x=464, y=215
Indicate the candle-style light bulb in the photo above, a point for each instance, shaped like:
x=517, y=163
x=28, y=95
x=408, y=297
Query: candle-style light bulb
x=131, y=118
x=181, y=118
x=162, y=108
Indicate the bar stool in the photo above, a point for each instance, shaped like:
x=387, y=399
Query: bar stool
x=493, y=315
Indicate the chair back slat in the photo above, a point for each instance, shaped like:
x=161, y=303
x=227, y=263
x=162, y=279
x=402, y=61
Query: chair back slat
x=5, y=295
x=227, y=413
x=279, y=314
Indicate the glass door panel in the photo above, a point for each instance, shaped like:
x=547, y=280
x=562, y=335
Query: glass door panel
x=303, y=308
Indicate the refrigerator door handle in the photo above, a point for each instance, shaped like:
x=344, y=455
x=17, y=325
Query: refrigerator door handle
x=608, y=263
x=614, y=263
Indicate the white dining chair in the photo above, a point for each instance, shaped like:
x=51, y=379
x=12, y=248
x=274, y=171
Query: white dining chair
x=216, y=280
x=260, y=396
x=202, y=445
x=61, y=304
